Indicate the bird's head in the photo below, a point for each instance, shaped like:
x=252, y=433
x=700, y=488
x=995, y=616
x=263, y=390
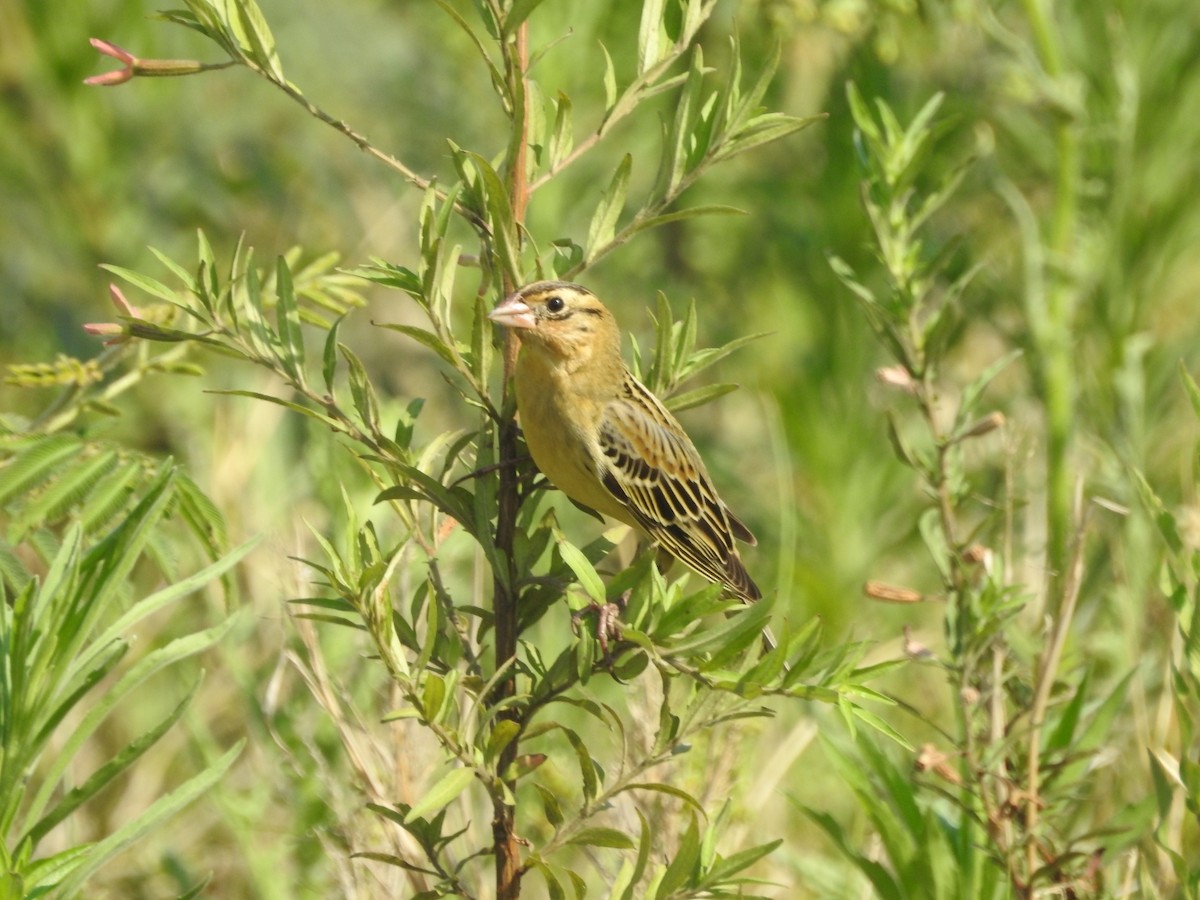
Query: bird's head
x=561, y=320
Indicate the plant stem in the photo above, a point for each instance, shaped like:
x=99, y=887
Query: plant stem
x=507, y=850
x=1046, y=677
x=1058, y=368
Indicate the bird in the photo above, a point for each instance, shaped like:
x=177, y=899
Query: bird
x=602, y=437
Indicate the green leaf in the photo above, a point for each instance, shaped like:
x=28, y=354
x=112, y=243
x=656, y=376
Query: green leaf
x=287, y=321
x=70, y=486
x=589, y=578
x=300, y=408
x=125, y=757
x=682, y=869
x=975, y=389
x=35, y=465
x=98, y=711
x=550, y=805
x=329, y=356
x=144, y=282
x=761, y=130
x=737, y=632
x=650, y=35
x=698, y=397
x=631, y=873
x=432, y=696
x=675, y=162
x=554, y=888
x=426, y=339
x=743, y=859
x=692, y=212
x=184, y=587
x=660, y=788
x=441, y=794
x=610, y=83
x=518, y=13
x=504, y=229
x=502, y=735
x=603, y=837
x=1190, y=386
x=158, y=812
x=587, y=768
x=604, y=221
x=362, y=392
x=250, y=28
x=562, y=138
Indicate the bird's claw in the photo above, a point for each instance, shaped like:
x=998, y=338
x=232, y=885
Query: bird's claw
x=608, y=621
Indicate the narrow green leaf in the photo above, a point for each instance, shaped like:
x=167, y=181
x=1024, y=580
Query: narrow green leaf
x=97, y=712
x=35, y=465
x=518, y=13
x=504, y=229
x=300, y=408
x=761, y=130
x=150, y=285
x=158, y=812
x=287, y=322
x=742, y=624
x=682, y=870
x=589, y=578
x=432, y=697
x=550, y=805
x=329, y=356
x=975, y=389
x=679, y=134
x=604, y=221
x=693, y=212
x=587, y=768
x=441, y=794
x=661, y=788
x=562, y=138
x=643, y=855
x=425, y=339
x=1190, y=386
x=362, y=392
x=65, y=492
x=698, y=397
x=603, y=837
x=176, y=591
x=744, y=859
x=126, y=756
x=650, y=35
x=480, y=45
x=177, y=270
x=610, y=83
x=554, y=888
x=254, y=35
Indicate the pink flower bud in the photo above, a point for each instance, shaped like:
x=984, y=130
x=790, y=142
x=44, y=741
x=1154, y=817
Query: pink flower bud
x=117, y=76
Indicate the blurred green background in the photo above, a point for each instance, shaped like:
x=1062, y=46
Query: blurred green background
x=92, y=175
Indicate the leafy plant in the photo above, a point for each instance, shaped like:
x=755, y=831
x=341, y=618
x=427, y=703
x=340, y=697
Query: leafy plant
x=1003, y=795
x=85, y=523
x=470, y=677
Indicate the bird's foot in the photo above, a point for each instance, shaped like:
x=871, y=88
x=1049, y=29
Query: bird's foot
x=608, y=621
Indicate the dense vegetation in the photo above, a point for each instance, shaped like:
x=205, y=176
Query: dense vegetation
x=263, y=552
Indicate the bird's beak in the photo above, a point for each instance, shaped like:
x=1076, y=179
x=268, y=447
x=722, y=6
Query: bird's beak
x=513, y=313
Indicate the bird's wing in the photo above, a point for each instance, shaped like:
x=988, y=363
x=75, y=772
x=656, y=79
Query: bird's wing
x=650, y=465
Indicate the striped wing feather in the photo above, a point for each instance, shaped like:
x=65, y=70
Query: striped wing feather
x=654, y=470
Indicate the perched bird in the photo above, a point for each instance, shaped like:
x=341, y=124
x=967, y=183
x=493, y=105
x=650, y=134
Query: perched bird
x=606, y=442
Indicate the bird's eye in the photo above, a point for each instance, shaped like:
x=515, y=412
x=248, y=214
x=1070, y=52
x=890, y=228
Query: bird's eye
x=555, y=304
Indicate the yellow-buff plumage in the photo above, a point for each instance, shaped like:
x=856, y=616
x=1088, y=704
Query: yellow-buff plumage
x=606, y=442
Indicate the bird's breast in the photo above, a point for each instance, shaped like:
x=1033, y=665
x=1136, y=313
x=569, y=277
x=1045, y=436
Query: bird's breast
x=561, y=429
